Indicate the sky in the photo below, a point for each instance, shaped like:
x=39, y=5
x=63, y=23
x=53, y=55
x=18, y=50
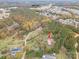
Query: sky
x=41, y=0
x=52, y=0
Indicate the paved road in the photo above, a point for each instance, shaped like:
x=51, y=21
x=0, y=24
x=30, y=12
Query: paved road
x=27, y=37
x=76, y=35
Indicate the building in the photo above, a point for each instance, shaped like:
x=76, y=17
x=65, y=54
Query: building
x=4, y=13
x=53, y=56
x=13, y=51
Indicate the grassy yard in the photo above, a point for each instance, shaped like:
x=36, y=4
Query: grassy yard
x=9, y=42
x=61, y=55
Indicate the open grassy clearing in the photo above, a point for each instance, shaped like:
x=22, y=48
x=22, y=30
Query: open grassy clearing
x=9, y=42
x=61, y=55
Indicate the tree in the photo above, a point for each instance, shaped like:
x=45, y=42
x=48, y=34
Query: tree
x=69, y=42
x=78, y=44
